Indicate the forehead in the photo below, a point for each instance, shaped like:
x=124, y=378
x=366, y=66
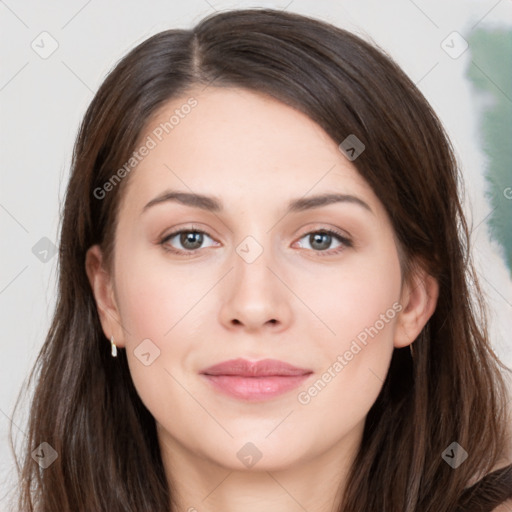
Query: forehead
x=226, y=141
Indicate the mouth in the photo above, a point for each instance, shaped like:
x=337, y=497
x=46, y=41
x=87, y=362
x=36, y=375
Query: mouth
x=255, y=381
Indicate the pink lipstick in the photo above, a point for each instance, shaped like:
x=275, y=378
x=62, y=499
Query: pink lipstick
x=255, y=381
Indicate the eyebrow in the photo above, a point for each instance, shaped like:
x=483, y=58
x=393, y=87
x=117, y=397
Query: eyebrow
x=213, y=204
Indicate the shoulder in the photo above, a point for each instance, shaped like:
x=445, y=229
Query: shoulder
x=492, y=493
x=502, y=472
x=506, y=506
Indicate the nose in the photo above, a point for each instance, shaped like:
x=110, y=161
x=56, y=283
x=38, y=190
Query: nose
x=254, y=296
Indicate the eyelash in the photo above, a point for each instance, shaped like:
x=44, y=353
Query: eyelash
x=346, y=242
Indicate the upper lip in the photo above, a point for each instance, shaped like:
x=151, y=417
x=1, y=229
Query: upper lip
x=263, y=368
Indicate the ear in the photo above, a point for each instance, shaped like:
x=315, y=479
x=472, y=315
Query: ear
x=419, y=300
x=102, y=287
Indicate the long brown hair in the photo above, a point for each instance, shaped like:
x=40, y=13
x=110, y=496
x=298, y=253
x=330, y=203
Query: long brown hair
x=85, y=405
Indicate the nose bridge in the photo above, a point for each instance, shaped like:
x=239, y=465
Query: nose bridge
x=254, y=251
x=252, y=258
x=255, y=296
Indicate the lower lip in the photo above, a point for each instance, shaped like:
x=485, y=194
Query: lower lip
x=255, y=388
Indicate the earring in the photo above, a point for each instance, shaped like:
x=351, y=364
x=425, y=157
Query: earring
x=412, y=351
x=113, y=345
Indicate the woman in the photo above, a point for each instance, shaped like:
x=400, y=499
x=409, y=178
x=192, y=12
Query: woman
x=264, y=293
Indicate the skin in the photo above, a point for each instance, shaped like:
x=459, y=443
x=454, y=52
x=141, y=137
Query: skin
x=293, y=303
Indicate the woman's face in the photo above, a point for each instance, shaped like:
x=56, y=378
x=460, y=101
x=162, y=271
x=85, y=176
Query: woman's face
x=262, y=282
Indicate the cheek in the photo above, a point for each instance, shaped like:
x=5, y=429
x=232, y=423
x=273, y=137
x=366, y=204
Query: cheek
x=360, y=305
x=157, y=296
x=358, y=300
x=158, y=306
x=163, y=304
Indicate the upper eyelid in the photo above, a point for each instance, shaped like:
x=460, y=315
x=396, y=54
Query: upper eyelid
x=172, y=234
x=344, y=239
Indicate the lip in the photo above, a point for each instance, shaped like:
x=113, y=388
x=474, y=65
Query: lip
x=259, y=380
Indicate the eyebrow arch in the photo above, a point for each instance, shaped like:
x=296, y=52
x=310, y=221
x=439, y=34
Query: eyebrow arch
x=307, y=203
x=212, y=204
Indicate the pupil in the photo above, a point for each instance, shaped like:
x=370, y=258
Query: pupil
x=192, y=238
x=317, y=240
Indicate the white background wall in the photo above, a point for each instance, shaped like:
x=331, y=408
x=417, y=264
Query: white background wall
x=43, y=100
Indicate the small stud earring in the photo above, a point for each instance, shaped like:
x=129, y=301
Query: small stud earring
x=114, y=348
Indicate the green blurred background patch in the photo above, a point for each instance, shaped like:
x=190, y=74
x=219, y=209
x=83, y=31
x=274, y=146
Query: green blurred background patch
x=491, y=73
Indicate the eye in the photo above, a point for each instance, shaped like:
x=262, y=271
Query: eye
x=321, y=240
x=189, y=239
